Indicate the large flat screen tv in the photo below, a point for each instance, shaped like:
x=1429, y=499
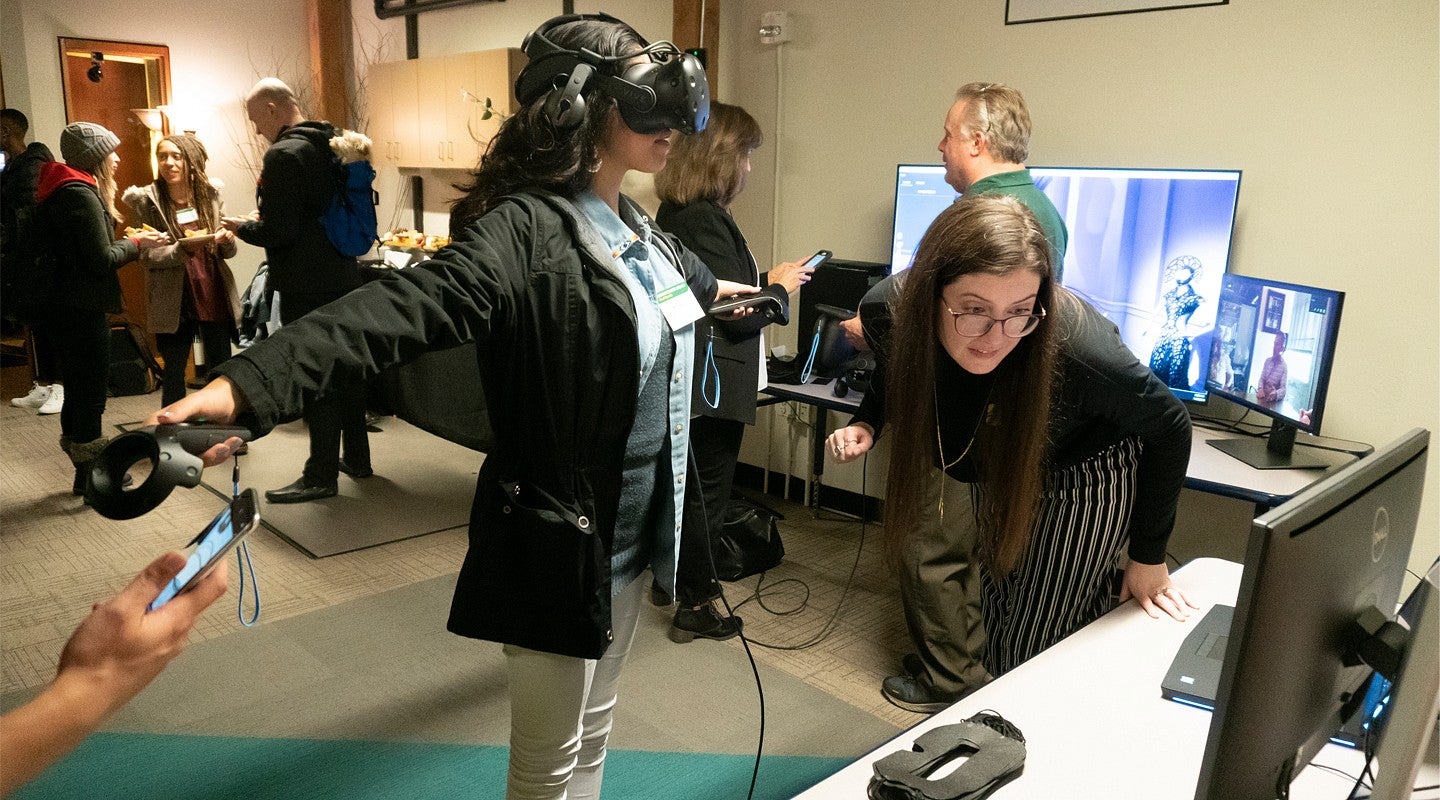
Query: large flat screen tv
x=1147, y=248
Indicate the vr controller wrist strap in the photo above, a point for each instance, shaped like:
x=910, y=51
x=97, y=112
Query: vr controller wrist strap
x=243, y=563
x=810, y=360
x=710, y=368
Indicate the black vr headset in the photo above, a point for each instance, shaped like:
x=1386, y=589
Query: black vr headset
x=667, y=92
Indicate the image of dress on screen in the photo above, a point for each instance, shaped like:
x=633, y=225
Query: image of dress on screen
x=1170, y=358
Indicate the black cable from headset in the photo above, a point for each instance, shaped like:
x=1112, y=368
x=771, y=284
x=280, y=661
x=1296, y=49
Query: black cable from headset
x=744, y=642
x=829, y=625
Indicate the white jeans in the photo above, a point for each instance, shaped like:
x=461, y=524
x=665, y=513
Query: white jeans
x=561, y=710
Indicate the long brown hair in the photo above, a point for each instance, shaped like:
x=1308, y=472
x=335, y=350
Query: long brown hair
x=202, y=194
x=710, y=164
x=104, y=175
x=992, y=235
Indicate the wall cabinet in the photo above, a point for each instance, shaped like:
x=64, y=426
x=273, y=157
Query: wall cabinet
x=426, y=112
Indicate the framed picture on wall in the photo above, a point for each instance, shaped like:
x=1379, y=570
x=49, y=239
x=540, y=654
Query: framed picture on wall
x=1021, y=11
x=1272, y=305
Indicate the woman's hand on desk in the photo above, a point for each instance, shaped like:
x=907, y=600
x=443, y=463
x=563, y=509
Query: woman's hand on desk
x=1151, y=585
x=850, y=442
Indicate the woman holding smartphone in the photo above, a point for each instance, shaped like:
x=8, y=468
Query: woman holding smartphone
x=190, y=289
x=583, y=316
x=704, y=175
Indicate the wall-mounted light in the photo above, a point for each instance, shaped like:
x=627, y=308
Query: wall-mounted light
x=188, y=117
x=96, y=72
x=151, y=118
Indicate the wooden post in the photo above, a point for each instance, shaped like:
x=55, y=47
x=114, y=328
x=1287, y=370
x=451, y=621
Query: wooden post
x=687, y=34
x=330, y=54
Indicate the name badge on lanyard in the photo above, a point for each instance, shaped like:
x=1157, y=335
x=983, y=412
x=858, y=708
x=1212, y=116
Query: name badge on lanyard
x=679, y=305
x=186, y=216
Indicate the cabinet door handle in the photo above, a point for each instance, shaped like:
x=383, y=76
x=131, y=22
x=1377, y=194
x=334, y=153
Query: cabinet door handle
x=440, y=151
x=450, y=150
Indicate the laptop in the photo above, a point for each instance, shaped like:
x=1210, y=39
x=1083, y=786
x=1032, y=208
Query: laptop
x=1194, y=675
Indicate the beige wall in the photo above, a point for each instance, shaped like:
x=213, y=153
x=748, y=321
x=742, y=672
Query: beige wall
x=1328, y=106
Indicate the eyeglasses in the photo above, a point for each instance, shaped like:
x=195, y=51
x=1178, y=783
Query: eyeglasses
x=973, y=324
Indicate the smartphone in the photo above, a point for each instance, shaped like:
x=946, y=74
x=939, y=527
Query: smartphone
x=230, y=526
x=820, y=257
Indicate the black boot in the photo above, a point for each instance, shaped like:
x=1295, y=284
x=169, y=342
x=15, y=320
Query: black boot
x=704, y=622
x=81, y=455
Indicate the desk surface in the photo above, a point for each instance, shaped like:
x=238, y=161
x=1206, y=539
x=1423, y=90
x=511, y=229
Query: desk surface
x=1210, y=470
x=1094, y=722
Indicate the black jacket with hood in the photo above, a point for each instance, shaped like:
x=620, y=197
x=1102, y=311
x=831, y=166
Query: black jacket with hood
x=80, y=232
x=296, y=186
x=536, y=289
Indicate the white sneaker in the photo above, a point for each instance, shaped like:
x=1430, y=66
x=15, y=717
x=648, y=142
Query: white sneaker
x=55, y=401
x=37, y=397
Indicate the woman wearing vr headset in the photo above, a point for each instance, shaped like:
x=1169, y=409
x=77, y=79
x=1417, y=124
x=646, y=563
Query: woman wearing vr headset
x=583, y=314
x=1077, y=452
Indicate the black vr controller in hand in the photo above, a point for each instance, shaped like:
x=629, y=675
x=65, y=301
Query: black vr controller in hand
x=173, y=454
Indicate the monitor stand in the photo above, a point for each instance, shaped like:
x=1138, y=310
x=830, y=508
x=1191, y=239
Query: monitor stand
x=1276, y=451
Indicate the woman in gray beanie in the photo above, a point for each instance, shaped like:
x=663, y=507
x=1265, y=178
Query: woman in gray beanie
x=77, y=221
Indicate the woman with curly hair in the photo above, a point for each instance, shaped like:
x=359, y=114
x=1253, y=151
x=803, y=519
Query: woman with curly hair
x=189, y=287
x=583, y=315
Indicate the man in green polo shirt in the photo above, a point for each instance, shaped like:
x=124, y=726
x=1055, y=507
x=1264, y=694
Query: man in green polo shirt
x=986, y=142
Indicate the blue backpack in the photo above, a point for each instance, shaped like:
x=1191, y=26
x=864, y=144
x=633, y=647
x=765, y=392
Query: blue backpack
x=349, y=221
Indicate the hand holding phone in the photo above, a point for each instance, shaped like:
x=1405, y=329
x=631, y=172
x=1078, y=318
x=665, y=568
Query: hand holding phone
x=223, y=534
x=792, y=275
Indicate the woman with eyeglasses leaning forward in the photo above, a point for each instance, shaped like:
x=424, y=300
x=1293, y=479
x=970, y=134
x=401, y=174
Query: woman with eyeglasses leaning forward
x=1076, y=452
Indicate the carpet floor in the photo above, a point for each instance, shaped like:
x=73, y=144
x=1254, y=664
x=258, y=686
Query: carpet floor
x=374, y=699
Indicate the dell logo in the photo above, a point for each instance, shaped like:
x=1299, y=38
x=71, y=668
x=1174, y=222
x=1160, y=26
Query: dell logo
x=1379, y=533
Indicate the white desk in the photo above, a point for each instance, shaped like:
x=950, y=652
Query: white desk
x=1094, y=722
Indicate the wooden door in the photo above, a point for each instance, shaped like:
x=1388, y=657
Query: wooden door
x=130, y=76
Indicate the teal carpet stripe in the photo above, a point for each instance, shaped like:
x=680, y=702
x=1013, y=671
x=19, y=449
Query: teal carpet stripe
x=133, y=766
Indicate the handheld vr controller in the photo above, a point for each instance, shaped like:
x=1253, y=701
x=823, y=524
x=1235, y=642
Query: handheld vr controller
x=173, y=455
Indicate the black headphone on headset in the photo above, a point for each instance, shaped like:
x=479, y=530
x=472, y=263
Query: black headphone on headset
x=666, y=92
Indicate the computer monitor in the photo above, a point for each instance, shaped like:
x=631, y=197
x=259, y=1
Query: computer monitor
x=1312, y=566
x=1414, y=700
x=921, y=193
x=1273, y=350
x=1147, y=248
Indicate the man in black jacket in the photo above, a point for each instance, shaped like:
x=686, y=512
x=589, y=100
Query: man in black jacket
x=22, y=299
x=296, y=185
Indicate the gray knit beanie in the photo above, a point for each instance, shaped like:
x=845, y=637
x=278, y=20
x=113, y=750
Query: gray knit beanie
x=84, y=145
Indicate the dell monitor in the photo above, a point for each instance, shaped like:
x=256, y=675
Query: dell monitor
x=1414, y=701
x=1147, y=248
x=1312, y=566
x=1272, y=353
